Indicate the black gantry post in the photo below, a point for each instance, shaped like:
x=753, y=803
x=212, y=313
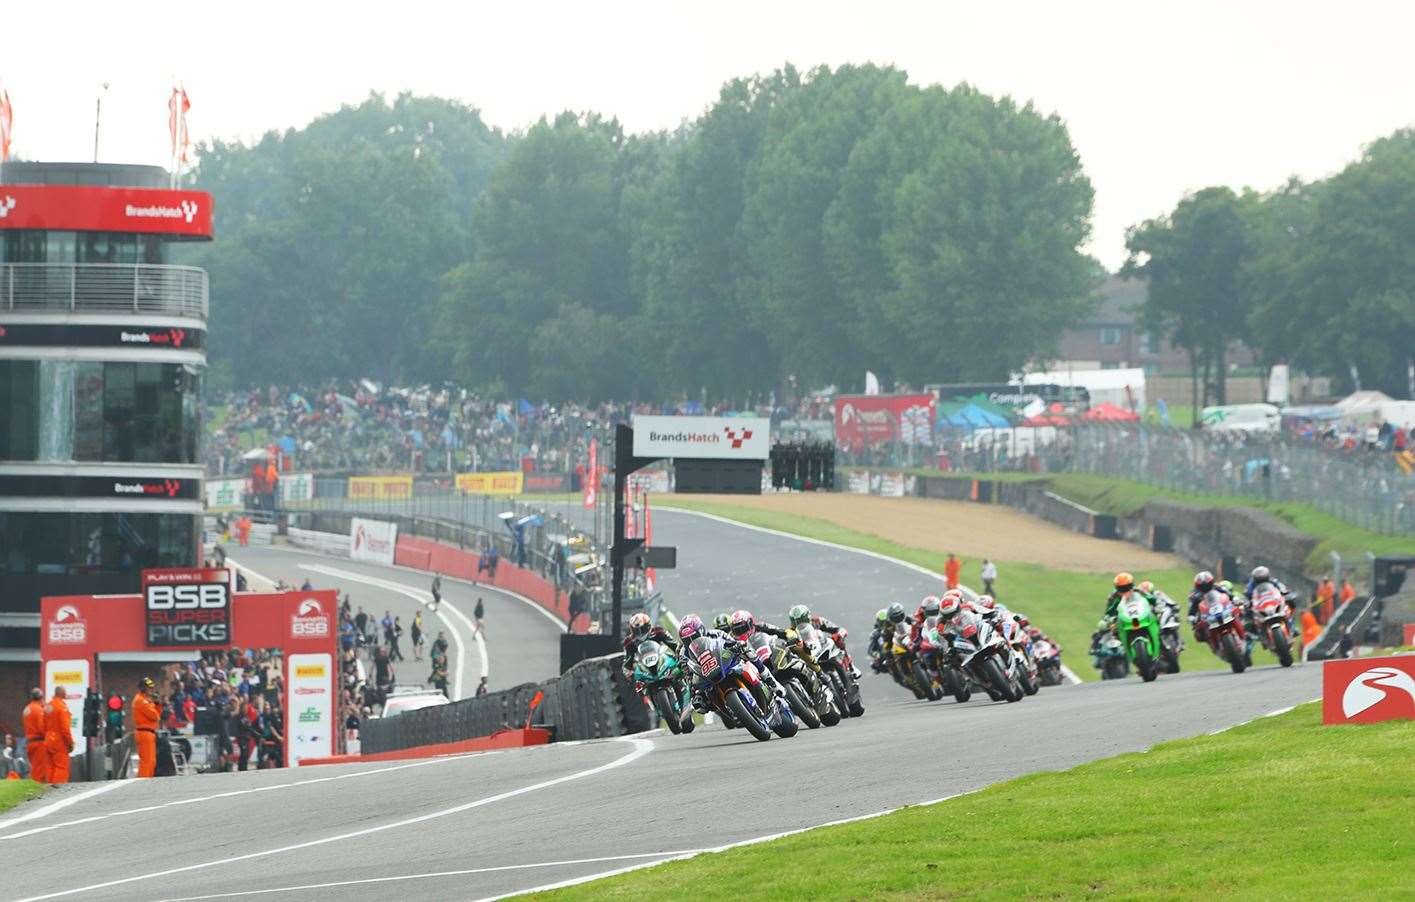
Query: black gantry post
x=624, y=463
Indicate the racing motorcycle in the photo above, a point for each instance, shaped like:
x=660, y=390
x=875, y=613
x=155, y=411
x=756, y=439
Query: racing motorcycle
x=1110, y=658
x=737, y=691
x=1021, y=645
x=660, y=672
x=985, y=656
x=803, y=690
x=1225, y=629
x=1139, y=633
x=1171, y=640
x=950, y=672
x=829, y=653
x=1048, y=662
x=1271, y=617
x=916, y=678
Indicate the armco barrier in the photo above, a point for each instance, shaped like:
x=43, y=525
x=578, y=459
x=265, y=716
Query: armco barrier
x=502, y=739
x=590, y=701
x=425, y=554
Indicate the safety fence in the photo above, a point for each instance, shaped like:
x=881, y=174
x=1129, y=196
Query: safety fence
x=591, y=700
x=1364, y=487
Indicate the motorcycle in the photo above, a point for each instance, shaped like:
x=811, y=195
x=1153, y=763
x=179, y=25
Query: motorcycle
x=738, y=691
x=1017, y=638
x=1048, y=662
x=1171, y=640
x=800, y=685
x=1272, y=618
x=660, y=672
x=916, y=678
x=950, y=673
x=837, y=683
x=1225, y=629
x=985, y=656
x=1139, y=633
x=1111, y=660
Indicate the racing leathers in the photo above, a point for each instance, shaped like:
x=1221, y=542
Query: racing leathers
x=701, y=687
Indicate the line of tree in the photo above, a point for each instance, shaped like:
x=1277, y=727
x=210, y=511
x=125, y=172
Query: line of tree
x=1318, y=275
x=806, y=227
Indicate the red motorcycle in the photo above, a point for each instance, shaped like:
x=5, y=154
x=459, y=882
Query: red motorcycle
x=1272, y=618
x=1220, y=624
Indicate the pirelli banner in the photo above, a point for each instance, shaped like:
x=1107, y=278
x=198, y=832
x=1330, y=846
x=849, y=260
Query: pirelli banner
x=380, y=487
x=509, y=482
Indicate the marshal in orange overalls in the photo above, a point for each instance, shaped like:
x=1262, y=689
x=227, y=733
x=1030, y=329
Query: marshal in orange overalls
x=58, y=737
x=35, y=749
x=146, y=714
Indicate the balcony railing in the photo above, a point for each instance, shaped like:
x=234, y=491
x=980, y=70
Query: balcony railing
x=103, y=288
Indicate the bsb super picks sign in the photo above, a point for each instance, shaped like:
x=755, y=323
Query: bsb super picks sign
x=189, y=607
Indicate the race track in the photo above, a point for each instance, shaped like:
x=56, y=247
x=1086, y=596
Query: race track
x=483, y=825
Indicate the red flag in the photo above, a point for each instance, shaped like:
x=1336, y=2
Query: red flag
x=650, y=573
x=631, y=521
x=7, y=119
x=592, y=476
x=183, y=139
x=173, y=103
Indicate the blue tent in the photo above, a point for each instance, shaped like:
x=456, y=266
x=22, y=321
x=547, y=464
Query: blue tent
x=971, y=416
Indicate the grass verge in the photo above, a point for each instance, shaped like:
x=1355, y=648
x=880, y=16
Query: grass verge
x=13, y=792
x=1065, y=604
x=1279, y=808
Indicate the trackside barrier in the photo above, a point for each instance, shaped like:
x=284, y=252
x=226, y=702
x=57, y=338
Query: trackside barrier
x=425, y=554
x=323, y=542
x=502, y=739
x=592, y=700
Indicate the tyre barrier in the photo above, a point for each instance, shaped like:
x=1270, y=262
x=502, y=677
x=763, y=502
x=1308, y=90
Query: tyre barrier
x=591, y=700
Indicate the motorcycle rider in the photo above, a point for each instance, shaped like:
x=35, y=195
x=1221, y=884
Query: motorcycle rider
x=877, y=635
x=1124, y=584
x=692, y=627
x=642, y=629
x=927, y=608
x=1262, y=574
x=800, y=614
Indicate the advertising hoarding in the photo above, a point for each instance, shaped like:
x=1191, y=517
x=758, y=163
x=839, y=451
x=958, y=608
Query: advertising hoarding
x=372, y=540
x=309, y=725
x=718, y=438
x=863, y=421
x=380, y=487
x=508, y=482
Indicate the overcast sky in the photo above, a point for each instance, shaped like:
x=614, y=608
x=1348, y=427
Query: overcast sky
x=1160, y=98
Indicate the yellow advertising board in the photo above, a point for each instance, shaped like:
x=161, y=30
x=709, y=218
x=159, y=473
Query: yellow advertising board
x=366, y=487
x=510, y=482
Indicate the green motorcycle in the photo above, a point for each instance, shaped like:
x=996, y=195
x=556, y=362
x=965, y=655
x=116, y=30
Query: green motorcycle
x=660, y=673
x=1139, y=632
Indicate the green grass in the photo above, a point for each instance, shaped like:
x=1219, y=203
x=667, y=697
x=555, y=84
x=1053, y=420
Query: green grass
x=1063, y=603
x=13, y=792
x=1281, y=808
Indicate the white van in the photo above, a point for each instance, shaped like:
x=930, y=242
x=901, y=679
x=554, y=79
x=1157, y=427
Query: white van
x=1264, y=418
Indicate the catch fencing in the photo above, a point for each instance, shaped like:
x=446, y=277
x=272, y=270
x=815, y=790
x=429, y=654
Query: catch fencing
x=1362, y=487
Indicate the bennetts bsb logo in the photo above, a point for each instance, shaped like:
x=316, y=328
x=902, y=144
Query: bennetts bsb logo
x=67, y=627
x=309, y=621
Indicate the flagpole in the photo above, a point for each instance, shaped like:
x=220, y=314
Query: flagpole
x=97, y=118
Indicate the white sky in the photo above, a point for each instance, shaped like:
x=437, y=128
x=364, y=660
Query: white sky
x=1160, y=98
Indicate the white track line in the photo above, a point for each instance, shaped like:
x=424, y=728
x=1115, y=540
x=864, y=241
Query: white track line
x=60, y=805
x=659, y=856
x=257, y=577
x=424, y=599
x=1065, y=671
x=1274, y=713
x=641, y=747
x=208, y=798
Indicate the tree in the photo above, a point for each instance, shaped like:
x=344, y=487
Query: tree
x=1192, y=259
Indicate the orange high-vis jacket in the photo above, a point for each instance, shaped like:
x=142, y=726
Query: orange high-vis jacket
x=57, y=724
x=146, y=712
x=34, y=721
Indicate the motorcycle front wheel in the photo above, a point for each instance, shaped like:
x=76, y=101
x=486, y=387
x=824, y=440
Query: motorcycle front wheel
x=1233, y=654
x=997, y=681
x=800, y=704
x=1143, y=662
x=664, y=704
x=746, y=717
x=1281, y=647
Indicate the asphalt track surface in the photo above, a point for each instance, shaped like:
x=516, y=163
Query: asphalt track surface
x=485, y=825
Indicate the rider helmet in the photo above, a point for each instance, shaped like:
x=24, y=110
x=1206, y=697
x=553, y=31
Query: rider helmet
x=881, y=616
x=930, y=606
x=987, y=603
x=1203, y=580
x=1261, y=574
x=639, y=625
x=742, y=623
x=1124, y=582
x=798, y=614
x=951, y=603
x=1146, y=587
x=722, y=621
x=1034, y=633
x=1226, y=586
x=691, y=628
x=896, y=613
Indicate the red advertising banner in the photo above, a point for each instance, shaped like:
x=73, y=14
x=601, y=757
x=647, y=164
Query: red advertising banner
x=1368, y=690
x=100, y=209
x=862, y=421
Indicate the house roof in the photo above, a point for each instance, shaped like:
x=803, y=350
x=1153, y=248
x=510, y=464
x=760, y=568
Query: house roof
x=1120, y=304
